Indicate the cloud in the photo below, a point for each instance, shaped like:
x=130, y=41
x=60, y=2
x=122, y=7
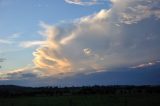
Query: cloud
x=90, y=53
x=15, y=35
x=10, y=39
x=144, y=65
x=87, y=51
x=85, y=2
x=28, y=44
x=27, y=72
x=48, y=57
x=122, y=36
x=116, y=37
x=4, y=41
x=133, y=11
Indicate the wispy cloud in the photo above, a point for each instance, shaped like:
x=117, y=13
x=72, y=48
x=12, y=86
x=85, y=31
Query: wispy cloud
x=28, y=72
x=15, y=35
x=85, y=2
x=148, y=64
x=10, y=39
x=29, y=44
x=5, y=41
x=144, y=65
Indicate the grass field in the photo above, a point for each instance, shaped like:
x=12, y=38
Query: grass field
x=85, y=100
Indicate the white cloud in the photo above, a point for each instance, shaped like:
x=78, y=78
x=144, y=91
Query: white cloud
x=144, y=65
x=117, y=37
x=67, y=39
x=85, y=2
x=104, y=40
x=87, y=51
x=147, y=64
x=28, y=44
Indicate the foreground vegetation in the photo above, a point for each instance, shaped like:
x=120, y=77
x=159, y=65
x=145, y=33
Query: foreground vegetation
x=84, y=100
x=80, y=96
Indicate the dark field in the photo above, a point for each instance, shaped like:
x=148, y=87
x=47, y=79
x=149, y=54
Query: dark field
x=80, y=96
x=85, y=100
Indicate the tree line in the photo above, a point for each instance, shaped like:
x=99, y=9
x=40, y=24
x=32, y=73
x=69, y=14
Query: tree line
x=17, y=91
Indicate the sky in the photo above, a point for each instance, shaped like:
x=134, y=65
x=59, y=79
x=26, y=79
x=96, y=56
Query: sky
x=79, y=42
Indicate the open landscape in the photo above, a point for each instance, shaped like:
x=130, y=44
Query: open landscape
x=79, y=52
x=80, y=96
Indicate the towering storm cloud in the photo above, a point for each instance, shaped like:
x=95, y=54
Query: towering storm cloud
x=125, y=35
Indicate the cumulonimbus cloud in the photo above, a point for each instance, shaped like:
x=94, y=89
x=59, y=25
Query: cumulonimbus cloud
x=125, y=35
x=110, y=38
